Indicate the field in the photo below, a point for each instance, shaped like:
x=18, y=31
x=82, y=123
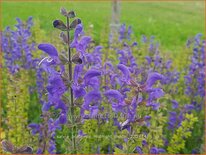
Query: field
x=70, y=85
x=172, y=23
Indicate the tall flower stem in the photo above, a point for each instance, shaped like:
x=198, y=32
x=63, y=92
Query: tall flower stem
x=71, y=91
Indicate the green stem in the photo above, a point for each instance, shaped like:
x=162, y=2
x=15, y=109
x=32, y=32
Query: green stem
x=71, y=91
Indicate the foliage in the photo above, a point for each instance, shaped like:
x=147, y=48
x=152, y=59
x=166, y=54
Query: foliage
x=177, y=142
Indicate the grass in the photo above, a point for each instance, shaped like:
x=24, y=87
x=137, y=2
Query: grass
x=172, y=23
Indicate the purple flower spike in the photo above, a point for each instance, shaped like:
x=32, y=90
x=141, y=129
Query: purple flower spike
x=172, y=120
x=49, y=49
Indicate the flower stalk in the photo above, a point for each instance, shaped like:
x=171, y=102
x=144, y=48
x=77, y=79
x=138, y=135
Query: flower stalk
x=71, y=91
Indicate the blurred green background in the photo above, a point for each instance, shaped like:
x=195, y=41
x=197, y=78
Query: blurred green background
x=172, y=23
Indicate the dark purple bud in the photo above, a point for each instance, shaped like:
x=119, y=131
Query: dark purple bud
x=71, y=14
x=59, y=25
x=75, y=23
x=64, y=38
x=63, y=11
x=76, y=59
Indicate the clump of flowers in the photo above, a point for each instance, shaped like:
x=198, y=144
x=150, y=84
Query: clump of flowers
x=195, y=78
x=17, y=48
x=126, y=102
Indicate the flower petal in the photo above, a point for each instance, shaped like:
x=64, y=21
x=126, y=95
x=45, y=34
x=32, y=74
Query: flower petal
x=77, y=72
x=62, y=118
x=78, y=91
x=152, y=78
x=114, y=94
x=124, y=70
x=94, y=95
x=91, y=73
x=49, y=49
x=155, y=93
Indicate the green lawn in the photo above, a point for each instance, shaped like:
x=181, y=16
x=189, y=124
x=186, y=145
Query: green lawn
x=171, y=22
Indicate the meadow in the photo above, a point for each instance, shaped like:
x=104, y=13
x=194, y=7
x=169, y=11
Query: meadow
x=71, y=86
x=170, y=22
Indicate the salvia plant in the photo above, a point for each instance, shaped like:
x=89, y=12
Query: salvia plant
x=85, y=98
